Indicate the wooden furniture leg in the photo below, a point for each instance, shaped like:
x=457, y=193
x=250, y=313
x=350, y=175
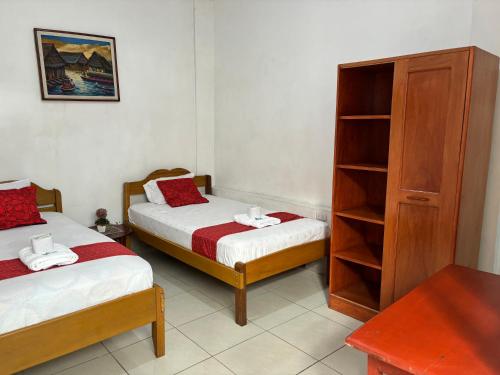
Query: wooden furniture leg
x=128, y=243
x=378, y=367
x=158, y=326
x=240, y=296
x=372, y=366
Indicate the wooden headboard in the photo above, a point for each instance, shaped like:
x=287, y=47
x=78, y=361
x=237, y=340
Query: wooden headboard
x=47, y=200
x=136, y=187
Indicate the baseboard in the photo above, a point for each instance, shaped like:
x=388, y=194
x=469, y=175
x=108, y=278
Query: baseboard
x=322, y=213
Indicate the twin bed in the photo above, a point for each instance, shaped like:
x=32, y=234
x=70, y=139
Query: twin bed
x=242, y=258
x=44, y=315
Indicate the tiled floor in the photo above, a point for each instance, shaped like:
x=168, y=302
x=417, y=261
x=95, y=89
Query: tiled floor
x=290, y=330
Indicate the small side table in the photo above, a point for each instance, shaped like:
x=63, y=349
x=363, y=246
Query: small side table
x=118, y=232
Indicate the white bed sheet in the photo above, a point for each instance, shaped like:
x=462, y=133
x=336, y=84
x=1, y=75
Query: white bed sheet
x=178, y=224
x=36, y=297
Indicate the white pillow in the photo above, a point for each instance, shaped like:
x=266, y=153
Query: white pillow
x=153, y=192
x=19, y=184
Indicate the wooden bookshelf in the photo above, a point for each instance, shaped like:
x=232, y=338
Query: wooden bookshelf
x=359, y=189
x=364, y=213
x=395, y=197
x=366, y=255
x=364, y=294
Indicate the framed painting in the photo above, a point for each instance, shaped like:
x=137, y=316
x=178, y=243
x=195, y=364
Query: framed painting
x=76, y=66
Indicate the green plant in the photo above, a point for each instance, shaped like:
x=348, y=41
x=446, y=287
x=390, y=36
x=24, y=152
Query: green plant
x=102, y=221
x=101, y=214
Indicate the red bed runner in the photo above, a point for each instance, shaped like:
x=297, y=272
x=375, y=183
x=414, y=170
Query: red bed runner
x=14, y=267
x=204, y=241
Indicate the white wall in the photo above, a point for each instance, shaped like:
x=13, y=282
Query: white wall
x=204, y=57
x=89, y=149
x=486, y=34
x=275, y=84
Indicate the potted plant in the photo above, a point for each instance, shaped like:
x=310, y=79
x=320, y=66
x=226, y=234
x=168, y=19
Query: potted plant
x=102, y=220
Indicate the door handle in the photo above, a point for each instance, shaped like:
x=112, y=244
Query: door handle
x=417, y=198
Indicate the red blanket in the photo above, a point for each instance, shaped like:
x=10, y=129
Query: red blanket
x=14, y=267
x=204, y=241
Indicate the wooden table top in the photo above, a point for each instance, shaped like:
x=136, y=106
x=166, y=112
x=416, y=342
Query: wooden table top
x=450, y=324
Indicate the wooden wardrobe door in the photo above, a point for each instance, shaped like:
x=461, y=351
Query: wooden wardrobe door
x=424, y=162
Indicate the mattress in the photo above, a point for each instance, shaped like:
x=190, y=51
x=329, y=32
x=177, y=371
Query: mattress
x=36, y=297
x=177, y=224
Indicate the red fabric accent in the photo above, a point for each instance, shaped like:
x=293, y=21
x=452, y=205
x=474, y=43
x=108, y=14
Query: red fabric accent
x=14, y=267
x=18, y=208
x=204, y=240
x=285, y=216
x=180, y=192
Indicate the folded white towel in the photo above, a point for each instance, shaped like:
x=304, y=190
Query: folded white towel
x=263, y=221
x=62, y=256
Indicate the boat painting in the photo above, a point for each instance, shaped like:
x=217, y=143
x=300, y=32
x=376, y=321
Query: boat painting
x=76, y=66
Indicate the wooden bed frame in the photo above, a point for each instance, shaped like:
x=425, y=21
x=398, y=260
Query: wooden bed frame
x=38, y=343
x=243, y=274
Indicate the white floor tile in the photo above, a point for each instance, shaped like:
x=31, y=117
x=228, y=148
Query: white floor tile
x=128, y=338
x=305, y=288
x=272, y=281
x=189, y=275
x=172, y=287
x=314, y=334
x=181, y=353
x=314, y=300
x=69, y=360
x=161, y=266
x=195, y=305
x=265, y=354
x=218, y=291
x=165, y=265
x=348, y=361
x=269, y=310
x=208, y=367
x=319, y=369
x=186, y=307
x=317, y=266
x=256, y=289
x=217, y=332
x=105, y=365
x=338, y=317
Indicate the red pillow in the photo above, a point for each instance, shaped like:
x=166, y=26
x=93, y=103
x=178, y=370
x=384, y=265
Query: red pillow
x=18, y=208
x=180, y=192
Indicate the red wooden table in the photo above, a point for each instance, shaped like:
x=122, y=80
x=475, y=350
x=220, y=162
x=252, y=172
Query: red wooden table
x=450, y=324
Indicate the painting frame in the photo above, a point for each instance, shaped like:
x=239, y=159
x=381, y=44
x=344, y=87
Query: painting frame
x=112, y=92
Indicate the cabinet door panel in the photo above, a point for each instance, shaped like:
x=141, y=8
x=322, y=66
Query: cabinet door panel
x=424, y=129
x=416, y=234
x=424, y=163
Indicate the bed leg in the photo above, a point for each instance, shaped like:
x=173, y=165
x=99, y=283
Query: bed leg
x=240, y=297
x=158, y=326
